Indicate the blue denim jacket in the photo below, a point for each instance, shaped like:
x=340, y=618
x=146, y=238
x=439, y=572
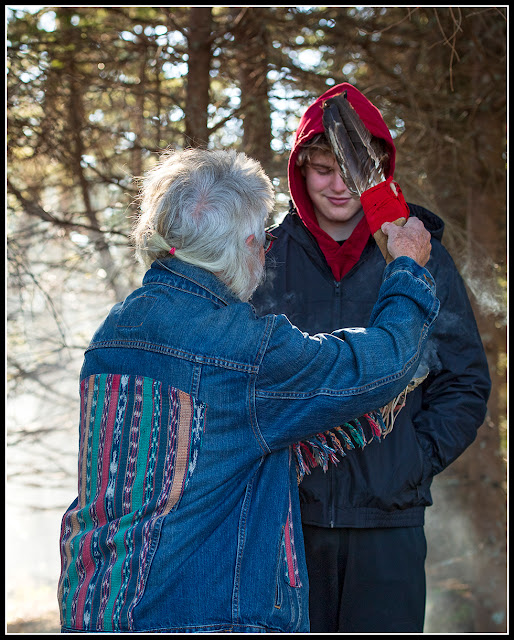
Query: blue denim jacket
x=187, y=517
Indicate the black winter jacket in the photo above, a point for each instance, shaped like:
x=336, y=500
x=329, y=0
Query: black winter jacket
x=386, y=484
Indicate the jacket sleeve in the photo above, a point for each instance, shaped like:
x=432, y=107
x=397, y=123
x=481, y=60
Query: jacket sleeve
x=308, y=384
x=457, y=388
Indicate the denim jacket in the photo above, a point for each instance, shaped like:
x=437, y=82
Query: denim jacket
x=187, y=517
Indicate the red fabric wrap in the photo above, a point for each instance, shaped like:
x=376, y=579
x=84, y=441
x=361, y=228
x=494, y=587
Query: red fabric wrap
x=380, y=204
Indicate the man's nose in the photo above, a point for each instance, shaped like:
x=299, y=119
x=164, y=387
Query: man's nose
x=338, y=182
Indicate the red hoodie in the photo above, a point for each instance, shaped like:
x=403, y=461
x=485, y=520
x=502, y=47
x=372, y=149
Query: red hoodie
x=340, y=258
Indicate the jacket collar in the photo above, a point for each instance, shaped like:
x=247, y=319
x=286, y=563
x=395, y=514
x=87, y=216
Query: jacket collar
x=339, y=258
x=190, y=278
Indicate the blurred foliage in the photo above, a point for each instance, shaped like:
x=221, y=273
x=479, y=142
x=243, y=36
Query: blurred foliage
x=95, y=93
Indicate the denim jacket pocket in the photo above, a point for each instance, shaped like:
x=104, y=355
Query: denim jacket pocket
x=287, y=560
x=292, y=574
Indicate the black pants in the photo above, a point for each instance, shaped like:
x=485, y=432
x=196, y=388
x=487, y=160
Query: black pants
x=366, y=580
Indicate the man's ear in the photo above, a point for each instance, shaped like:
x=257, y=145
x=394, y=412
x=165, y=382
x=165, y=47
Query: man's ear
x=250, y=239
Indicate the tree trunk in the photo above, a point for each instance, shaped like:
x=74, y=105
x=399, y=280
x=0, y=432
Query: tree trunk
x=470, y=496
x=198, y=76
x=76, y=126
x=139, y=114
x=251, y=39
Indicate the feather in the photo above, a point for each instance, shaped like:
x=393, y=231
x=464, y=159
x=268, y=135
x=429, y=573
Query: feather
x=351, y=142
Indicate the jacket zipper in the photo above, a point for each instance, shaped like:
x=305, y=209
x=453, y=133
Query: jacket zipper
x=336, y=324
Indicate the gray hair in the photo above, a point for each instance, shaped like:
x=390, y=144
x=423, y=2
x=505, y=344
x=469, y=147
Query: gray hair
x=204, y=204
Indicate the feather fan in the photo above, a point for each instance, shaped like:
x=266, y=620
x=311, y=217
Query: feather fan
x=360, y=165
x=351, y=143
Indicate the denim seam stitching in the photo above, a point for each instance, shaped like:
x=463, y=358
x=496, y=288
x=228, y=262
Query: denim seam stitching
x=241, y=542
x=252, y=410
x=198, y=294
x=252, y=414
x=170, y=351
x=427, y=285
x=342, y=393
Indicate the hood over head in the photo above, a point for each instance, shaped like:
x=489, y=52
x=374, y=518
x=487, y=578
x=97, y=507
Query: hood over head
x=340, y=258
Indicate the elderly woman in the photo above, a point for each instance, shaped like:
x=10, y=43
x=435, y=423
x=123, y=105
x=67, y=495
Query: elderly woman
x=187, y=516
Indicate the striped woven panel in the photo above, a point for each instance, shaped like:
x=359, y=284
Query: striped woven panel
x=139, y=442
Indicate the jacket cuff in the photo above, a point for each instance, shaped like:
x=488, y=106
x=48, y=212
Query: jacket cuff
x=404, y=263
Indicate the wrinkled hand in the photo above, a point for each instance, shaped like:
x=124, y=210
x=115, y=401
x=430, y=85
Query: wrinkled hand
x=412, y=240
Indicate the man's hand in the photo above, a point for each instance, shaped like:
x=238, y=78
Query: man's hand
x=411, y=240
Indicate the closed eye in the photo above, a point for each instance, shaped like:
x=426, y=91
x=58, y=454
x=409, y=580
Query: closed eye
x=322, y=169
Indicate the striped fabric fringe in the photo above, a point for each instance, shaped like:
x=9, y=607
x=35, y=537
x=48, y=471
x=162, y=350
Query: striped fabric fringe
x=393, y=408
x=323, y=448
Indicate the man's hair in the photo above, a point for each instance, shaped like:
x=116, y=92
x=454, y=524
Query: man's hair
x=205, y=204
x=320, y=143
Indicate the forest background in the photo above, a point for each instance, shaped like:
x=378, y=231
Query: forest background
x=95, y=93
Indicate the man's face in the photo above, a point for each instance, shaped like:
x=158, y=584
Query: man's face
x=335, y=208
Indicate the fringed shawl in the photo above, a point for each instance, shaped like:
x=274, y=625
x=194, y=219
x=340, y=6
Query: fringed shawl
x=323, y=448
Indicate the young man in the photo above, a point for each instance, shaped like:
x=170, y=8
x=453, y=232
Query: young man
x=363, y=519
x=187, y=516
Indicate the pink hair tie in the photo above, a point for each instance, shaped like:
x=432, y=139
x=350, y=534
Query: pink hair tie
x=172, y=251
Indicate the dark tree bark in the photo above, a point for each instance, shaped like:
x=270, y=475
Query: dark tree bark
x=251, y=39
x=199, y=36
